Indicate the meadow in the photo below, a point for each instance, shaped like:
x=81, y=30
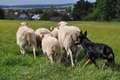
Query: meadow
x=15, y=66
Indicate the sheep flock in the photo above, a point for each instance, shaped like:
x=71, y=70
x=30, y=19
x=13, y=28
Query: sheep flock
x=51, y=42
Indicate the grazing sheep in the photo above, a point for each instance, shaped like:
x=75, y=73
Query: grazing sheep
x=40, y=32
x=51, y=47
x=25, y=37
x=54, y=31
x=67, y=36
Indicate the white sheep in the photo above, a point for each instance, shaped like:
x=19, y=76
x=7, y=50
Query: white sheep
x=54, y=31
x=25, y=37
x=67, y=36
x=39, y=32
x=51, y=47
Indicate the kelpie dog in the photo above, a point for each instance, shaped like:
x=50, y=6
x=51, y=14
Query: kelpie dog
x=96, y=50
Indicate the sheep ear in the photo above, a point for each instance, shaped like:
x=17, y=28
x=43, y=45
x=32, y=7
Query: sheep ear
x=66, y=23
x=51, y=28
x=42, y=35
x=57, y=27
x=26, y=23
x=58, y=23
x=85, y=33
x=20, y=24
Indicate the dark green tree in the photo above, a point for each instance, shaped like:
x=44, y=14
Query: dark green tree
x=68, y=9
x=66, y=18
x=45, y=16
x=51, y=8
x=55, y=14
x=118, y=10
x=38, y=11
x=104, y=11
x=2, y=14
x=81, y=10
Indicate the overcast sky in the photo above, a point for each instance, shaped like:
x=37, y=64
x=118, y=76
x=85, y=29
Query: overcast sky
x=20, y=2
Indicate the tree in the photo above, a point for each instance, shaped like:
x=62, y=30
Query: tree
x=68, y=9
x=55, y=14
x=2, y=13
x=105, y=10
x=45, y=16
x=51, y=8
x=66, y=18
x=118, y=10
x=81, y=10
x=38, y=11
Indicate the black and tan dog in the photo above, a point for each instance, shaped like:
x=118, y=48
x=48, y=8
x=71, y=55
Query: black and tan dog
x=96, y=50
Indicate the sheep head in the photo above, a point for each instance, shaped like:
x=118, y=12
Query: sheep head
x=62, y=23
x=23, y=24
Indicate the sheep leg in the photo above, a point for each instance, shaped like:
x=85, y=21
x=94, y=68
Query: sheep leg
x=34, y=52
x=34, y=45
x=22, y=50
x=50, y=57
x=77, y=53
x=71, y=57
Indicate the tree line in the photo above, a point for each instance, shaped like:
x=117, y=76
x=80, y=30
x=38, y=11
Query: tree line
x=101, y=10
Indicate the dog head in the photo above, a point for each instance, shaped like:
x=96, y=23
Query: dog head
x=80, y=38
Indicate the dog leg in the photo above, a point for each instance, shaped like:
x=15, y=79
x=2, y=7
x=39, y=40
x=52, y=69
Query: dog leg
x=95, y=63
x=86, y=63
x=113, y=65
x=105, y=61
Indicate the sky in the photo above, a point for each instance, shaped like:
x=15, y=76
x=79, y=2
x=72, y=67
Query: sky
x=20, y=2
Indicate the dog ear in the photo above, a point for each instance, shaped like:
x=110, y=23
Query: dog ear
x=81, y=33
x=85, y=33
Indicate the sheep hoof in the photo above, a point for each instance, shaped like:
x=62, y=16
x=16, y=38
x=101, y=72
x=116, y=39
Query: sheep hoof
x=23, y=53
x=73, y=66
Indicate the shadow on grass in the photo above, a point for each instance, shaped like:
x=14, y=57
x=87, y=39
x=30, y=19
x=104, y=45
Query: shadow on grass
x=38, y=52
x=67, y=62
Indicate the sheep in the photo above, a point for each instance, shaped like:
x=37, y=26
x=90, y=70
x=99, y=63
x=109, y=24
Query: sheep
x=39, y=32
x=51, y=47
x=25, y=37
x=54, y=31
x=67, y=36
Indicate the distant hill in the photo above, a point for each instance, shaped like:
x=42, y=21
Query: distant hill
x=33, y=6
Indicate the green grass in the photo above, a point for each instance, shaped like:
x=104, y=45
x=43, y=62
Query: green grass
x=15, y=66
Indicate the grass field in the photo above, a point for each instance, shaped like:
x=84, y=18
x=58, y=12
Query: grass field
x=15, y=66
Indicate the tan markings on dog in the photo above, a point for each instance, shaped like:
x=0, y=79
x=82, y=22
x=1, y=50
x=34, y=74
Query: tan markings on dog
x=104, y=63
x=77, y=42
x=87, y=62
x=110, y=56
